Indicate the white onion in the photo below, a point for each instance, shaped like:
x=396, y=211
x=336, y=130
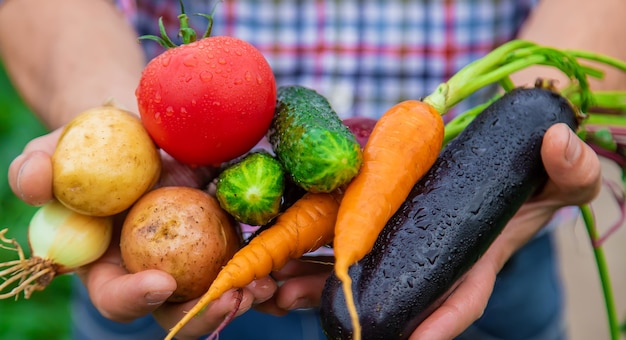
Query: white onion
x=60, y=241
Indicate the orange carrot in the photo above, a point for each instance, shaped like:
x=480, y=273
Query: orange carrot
x=403, y=145
x=305, y=226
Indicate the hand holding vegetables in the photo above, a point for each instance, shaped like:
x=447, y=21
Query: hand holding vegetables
x=121, y=296
x=117, y=294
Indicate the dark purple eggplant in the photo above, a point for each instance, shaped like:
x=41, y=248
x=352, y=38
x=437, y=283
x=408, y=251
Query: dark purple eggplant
x=451, y=216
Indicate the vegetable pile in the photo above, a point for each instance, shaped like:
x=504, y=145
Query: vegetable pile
x=405, y=202
x=450, y=217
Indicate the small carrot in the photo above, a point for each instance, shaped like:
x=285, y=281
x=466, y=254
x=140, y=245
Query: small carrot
x=402, y=146
x=305, y=226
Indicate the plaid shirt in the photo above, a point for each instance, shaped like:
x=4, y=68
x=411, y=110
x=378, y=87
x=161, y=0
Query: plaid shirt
x=364, y=56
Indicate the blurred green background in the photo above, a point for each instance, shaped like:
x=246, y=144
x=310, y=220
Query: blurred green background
x=46, y=314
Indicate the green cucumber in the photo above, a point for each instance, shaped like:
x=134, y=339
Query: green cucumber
x=317, y=150
x=251, y=189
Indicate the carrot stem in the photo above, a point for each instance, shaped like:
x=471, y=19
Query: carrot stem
x=603, y=272
x=460, y=122
x=604, y=59
x=510, y=58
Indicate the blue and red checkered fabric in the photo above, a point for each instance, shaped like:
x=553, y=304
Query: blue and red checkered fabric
x=364, y=56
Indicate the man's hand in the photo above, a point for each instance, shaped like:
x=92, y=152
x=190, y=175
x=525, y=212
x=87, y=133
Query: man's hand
x=117, y=294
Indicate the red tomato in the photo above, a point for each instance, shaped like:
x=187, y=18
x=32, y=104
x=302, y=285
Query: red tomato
x=208, y=101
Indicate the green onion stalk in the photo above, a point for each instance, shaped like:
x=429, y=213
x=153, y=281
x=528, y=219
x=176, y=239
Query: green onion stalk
x=603, y=123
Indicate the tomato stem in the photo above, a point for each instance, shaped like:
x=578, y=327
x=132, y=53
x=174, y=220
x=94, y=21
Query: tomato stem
x=185, y=32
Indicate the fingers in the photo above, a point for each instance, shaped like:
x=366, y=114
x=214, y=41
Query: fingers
x=169, y=314
x=121, y=296
x=30, y=174
x=209, y=319
x=304, y=266
x=573, y=167
x=301, y=286
x=301, y=292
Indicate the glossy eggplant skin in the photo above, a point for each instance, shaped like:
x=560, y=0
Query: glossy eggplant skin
x=451, y=216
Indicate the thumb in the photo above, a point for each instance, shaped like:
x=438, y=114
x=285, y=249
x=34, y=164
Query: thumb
x=30, y=174
x=573, y=167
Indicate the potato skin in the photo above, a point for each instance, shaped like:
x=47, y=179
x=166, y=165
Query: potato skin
x=182, y=231
x=104, y=161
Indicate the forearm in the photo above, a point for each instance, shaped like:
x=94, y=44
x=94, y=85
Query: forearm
x=596, y=26
x=65, y=56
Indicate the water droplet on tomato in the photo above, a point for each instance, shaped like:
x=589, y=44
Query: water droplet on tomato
x=165, y=60
x=169, y=111
x=221, y=61
x=210, y=55
x=238, y=52
x=248, y=76
x=206, y=76
x=184, y=112
x=238, y=81
x=157, y=117
x=190, y=60
x=226, y=50
x=157, y=97
x=259, y=80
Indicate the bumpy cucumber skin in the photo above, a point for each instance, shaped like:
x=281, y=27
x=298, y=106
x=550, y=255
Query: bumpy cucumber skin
x=318, y=151
x=450, y=218
x=251, y=190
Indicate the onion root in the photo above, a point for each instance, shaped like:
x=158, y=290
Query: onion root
x=30, y=274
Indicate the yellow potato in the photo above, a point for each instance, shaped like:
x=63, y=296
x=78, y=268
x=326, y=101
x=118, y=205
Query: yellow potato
x=104, y=161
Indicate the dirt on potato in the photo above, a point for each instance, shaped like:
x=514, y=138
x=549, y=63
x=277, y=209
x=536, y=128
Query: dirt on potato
x=182, y=231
